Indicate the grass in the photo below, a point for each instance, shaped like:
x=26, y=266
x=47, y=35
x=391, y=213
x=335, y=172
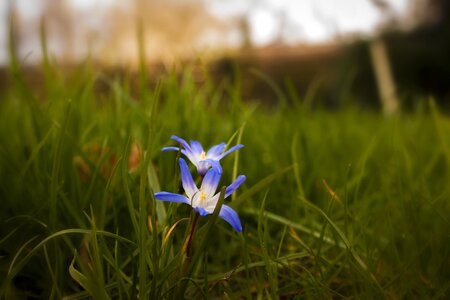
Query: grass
x=342, y=204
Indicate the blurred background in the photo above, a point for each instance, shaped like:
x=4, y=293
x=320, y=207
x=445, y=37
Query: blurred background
x=377, y=53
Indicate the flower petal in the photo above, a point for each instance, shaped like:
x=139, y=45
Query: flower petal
x=211, y=203
x=203, y=166
x=210, y=182
x=201, y=211
x=170, y=148
x=232, y=187
x=181, y=141
x=215, y=151
x=229, y=215
x=186, y=179
x=191, y=156
x=170, y=197
x=196, y=147
x=234, y=148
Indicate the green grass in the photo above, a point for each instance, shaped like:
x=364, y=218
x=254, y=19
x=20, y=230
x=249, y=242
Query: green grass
x=342, y=204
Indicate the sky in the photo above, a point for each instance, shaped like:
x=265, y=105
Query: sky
x=305, y=21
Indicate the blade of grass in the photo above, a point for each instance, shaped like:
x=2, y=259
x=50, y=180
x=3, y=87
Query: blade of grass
x=359, y=262
x=296, y=165
x=55, y=176
x=263, y=240
x=439, y=125
x=15, y=267
x=300, y=227
x=260, y=185
x=236, y=159
x=87, y=283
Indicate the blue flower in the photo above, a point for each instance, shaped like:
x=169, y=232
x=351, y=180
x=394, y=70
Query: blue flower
x=201, y=159
x=204, y=200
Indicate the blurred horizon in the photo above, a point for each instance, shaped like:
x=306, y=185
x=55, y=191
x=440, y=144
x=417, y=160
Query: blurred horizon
x=350, y=50
x=106, y=30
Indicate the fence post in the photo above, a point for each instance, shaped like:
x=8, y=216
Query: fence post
x=385, y=81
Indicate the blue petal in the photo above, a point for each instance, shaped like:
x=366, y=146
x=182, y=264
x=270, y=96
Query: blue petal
x=186, y=179
x=192, y=157
x=229, y=215
x=170, y=197
x=215, y=164
x=232, y=187
x=196, y=147
x=201, y=211
x=181, y=141
x=185, y=152
x=170, y=148
x=202, y=167
x=234, y=148
x=210, y=183
x=215, y=151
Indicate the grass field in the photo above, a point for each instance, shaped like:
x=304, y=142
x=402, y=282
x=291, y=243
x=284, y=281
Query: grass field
x=341, y=204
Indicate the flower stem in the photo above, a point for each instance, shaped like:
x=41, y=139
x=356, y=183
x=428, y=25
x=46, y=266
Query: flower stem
x=188, y=244
x=191, y=235
x=188, y=248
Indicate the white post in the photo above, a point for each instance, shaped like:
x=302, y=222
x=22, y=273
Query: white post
x=385, y=82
